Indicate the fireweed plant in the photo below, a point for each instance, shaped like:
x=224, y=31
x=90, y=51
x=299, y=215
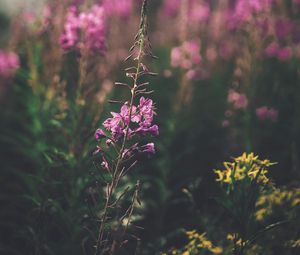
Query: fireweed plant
x=117, y=148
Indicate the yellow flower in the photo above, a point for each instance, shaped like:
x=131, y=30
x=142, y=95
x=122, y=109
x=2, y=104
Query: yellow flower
x=216, y=250
x=220, y=175
x=245, y=166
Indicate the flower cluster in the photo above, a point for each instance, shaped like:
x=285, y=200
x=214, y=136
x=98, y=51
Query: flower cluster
x=244, y=9
x=265, y=113
x=274, y=51
x=280, y=198
x=130, y=122
x=188, y=57
x=9, y=63
x=86, y=29
x=246, y=166
x=239, y=100
x=198, y=243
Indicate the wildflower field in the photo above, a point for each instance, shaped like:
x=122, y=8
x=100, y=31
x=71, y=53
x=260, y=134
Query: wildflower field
x=150, y=127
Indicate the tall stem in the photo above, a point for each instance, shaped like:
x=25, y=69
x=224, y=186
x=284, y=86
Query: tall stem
x=112, y=186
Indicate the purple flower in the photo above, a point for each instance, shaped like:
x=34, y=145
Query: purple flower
x=148, y=148
x=186, y=55
x=86, y=29
x=99, y=134
x=265, y=113
x=284, y=53
x=145, y=112
x=239, y=100
x=272, y=50
x=145, y=130
x=121, y=8
x=70, y=36
x=137, y=122
x=9, y=63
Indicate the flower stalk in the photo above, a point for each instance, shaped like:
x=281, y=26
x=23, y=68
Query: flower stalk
x=132, y=121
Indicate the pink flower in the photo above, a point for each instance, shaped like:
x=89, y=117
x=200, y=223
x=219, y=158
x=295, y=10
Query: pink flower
x=171, y=7
x=90, y=25
x=9, y=63
x=265, y=113
x=99, y=134
x=141, y=114
x=284, y=53
x=186, y=55
x=148, y=148
x=199, y=12
x=238, y=100
x=244, y=9
x=121, y=8
x=272, y=50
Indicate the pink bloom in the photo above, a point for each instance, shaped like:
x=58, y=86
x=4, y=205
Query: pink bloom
x=186, y=55
x=9, y=63
x=99, y=134
x=148, y=148
x=264, y=113
x=175, y=56
x=238, y=100
x=199, y=12
x=121, y=8
x=244, y=10
x=90, y=25
x=284, y=53
x=272, y=50
x=141, y=114
x=171, y=7
x=191, y=74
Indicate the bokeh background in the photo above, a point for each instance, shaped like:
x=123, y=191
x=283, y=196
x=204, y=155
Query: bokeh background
x=228, y=83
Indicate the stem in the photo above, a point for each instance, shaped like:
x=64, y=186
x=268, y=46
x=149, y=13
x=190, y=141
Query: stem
x=112, y=186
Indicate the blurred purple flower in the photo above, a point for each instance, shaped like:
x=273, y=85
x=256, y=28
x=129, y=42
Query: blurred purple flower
x=264, y=113
x=9, y=63
x=238, y=100
x=171, y=7
x=86, y=29
x=199, y=12
x=99, y=134
x=121, y=8
x=186, y=55
x=284, y=53
x=272, y=50
x=70, y=36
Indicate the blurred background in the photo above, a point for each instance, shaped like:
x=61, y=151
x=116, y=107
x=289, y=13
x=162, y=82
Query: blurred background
x=229, y=82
